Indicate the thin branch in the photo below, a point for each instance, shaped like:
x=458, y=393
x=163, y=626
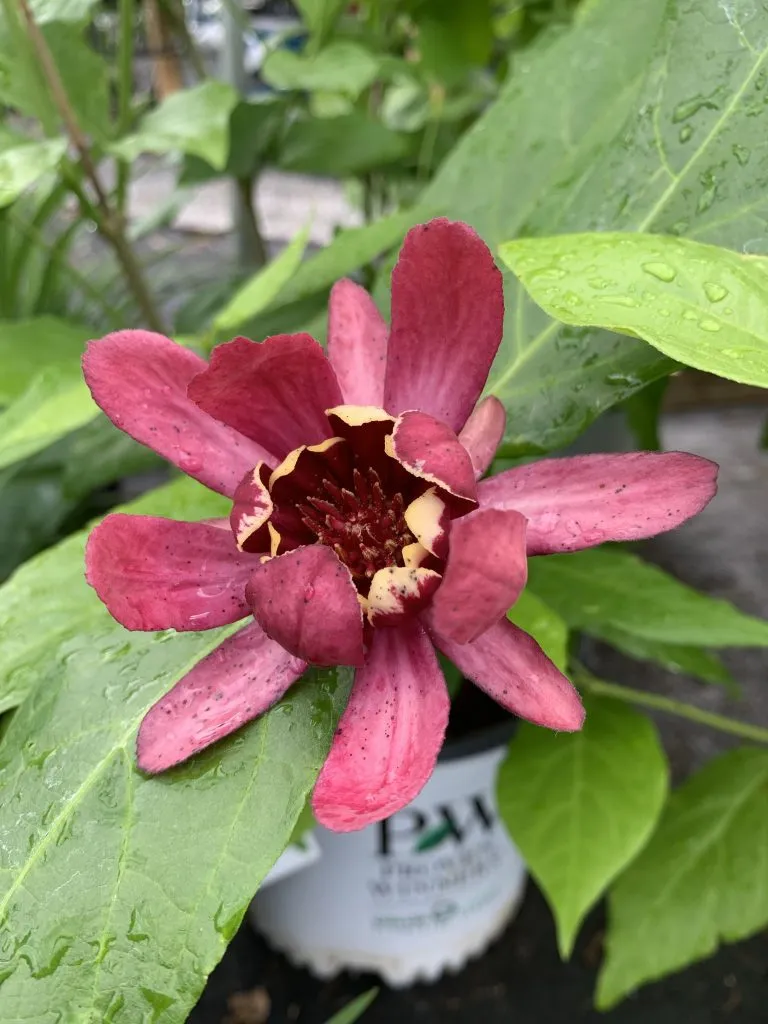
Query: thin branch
x=614, y=691
x=108, y=222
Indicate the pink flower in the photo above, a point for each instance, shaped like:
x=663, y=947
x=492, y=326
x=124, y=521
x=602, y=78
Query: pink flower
x=358, y=536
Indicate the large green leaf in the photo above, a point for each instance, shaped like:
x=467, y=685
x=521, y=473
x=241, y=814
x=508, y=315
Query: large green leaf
x=699, y=304
x=581, y=805
x=194, y=121
x=260, y=290
x=608, y=587
x=120, y=892
x=21, y=166
x=53, y=405
x=48, y=589
x=320, y=15
x=700, y=881
x=342, y=66
x=603, y=140
x=28, y=346
x=354, y=1010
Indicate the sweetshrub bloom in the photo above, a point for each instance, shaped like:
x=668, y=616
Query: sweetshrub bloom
x=359, y=534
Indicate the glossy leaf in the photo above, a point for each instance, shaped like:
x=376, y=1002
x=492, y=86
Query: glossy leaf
x=700, y=881
x=194, y=121
x=544, y=624
x=342, y=66
x=26, y=346
x=260, y=290
x=581, y=805
x=606, y=139
x=21, y=166
x=608, y=587
x=702, y=305
x=171, y=862
x=51, y=585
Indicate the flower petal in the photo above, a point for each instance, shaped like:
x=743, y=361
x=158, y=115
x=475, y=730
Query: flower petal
x=389, y=736
x=399, y=593
x=512, y=669
x=482, y=433
x=484, y=576
x=251, y=510
x=582, y=501
x=139, y=379
x=447, y=322
x=276, y=392
x=238, y=681
x=428, y=520
x=307, y=602
x=357, y=343
x=154, y=573
x=431, y=451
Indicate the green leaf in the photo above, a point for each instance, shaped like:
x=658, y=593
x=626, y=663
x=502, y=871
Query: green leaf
x=632, y=144
x=546, y=627
x=171, y=862
x=588, y=804
x=194, y=121
x=23, y=165
x=643, y=411
x=320, y=15
x=83, y=73
x=453, y=38
x=253, y=130
x=53, y=405
x=27, y=346
x=260, y=290
x=340, y=147
x=700, y=881
x=343, y=66
x=682, y=658
x=608, y=587
x=354, y=1010
x=702, y=305
x=51, y=585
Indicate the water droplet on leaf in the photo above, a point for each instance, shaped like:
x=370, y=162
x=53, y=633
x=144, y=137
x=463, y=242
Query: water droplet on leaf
x=661, y=271
x=715, y=292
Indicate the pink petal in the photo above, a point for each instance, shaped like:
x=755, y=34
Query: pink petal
x=154, y=573
x=276, y=392
x=482, y=433
x=484, y=576
x=582, y=501
x=140, y=381
x=237, y=682
x=447, y=322
x=251, y=509
x=390, y=734
x=307, y=602
x=431, y=451
x=399, y=593
x=357, y=343
x=511, y=667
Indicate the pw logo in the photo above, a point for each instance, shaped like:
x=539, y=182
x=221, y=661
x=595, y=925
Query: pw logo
x=412, y=831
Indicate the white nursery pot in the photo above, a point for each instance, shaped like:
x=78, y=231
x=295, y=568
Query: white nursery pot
x=412, y=896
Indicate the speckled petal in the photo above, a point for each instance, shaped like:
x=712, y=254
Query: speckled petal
x=484, y=576
x=307, y=602
x=140, y=381
x=431, y=451
x=482, y=433
x=154, y=573
x=238, y=681
x=583, y=501
x=389, y=736
x=398, y=593
x=357, y=343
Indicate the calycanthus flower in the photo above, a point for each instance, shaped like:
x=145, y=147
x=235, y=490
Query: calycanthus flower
x=359, y=534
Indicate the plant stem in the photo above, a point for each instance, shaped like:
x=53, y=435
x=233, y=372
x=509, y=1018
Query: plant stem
x=614, y=691
x=124, y=91
x=108, y=221
x=253, y=251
